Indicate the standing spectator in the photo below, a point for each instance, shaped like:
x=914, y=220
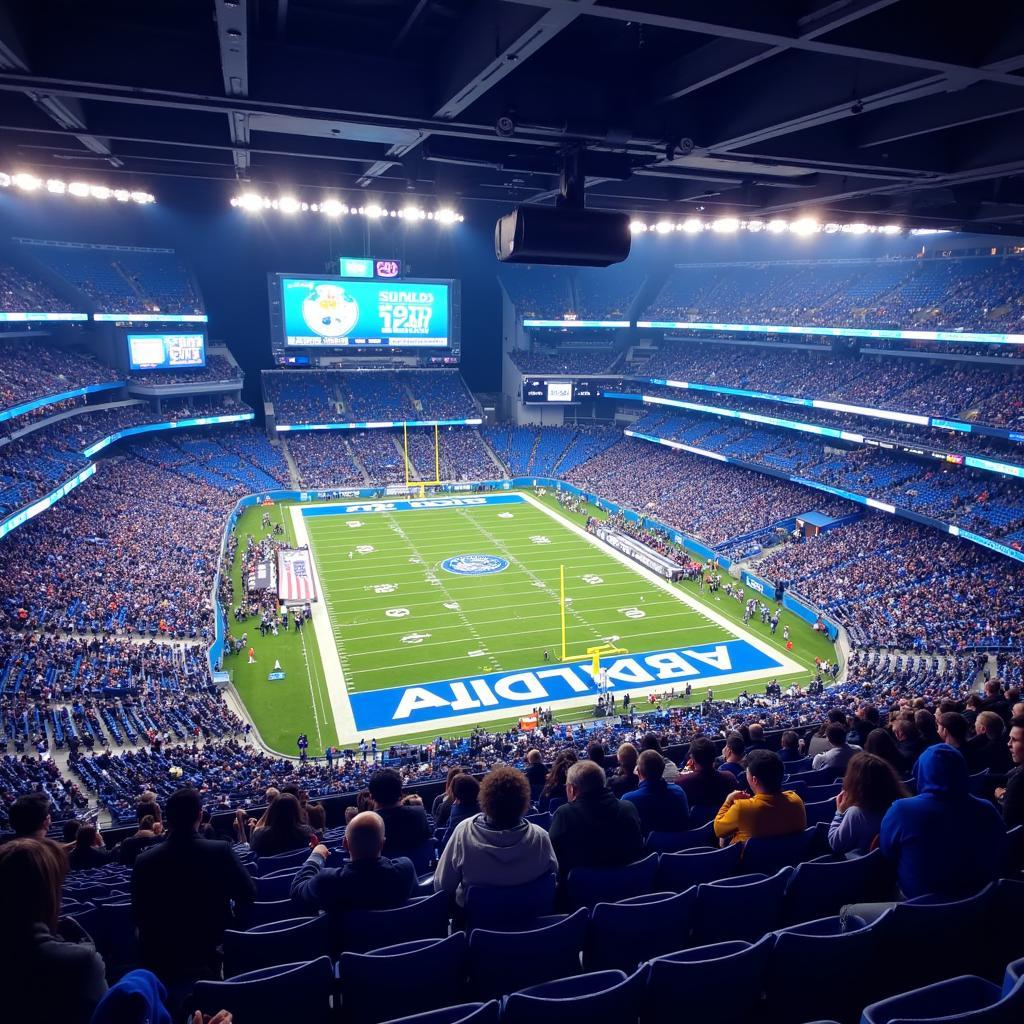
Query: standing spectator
x=870, y=787
x=839, y=754
x=497, y=846
x=285, y=829
x=943, y=841
x=662, y=805
x=1011, y=797
x=182, y=891
x=594, y=829
x=50, y=972
x=768, y=812
x=406, y=828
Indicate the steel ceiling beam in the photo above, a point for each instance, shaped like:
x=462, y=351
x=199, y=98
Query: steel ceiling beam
x=232, y=20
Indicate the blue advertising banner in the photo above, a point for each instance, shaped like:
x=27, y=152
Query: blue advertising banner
x=760, y=585
x=333, y=313
x=809, y=613
x=639, y=674
x=411, y=505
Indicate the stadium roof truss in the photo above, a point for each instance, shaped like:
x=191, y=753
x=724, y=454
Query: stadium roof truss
x=847, y=109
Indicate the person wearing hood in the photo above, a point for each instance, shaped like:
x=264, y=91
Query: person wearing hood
x=944, y=840
x=497, y=846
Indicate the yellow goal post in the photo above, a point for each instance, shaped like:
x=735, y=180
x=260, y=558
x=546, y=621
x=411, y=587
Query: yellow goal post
x=594, y=653
x=421, y=484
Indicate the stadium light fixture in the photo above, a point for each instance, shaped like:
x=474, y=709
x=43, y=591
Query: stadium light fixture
x=333, y=208
x=890, y=229
x=725, y=225
x=856, y=229
x=755, y=225
x=288, y=204
x=27, y=182
x=663, y=227
x=56, y=187
x=637, y=227
x=253, y=202
x=373, y=211
x=692, y=225
x=804, y=226
x=776, y=227
x=445, y=215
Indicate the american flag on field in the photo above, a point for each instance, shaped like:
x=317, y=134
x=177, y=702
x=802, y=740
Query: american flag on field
x=295, y=576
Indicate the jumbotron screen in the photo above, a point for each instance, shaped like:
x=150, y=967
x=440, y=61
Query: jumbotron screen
x=166, y=351
x=342, y=313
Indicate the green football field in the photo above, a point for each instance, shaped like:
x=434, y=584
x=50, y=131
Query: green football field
x=392, y=616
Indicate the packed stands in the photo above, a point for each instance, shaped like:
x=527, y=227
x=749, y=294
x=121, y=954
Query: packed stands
x=302, y=397
x=31, y=370
x=550, y=451
x=21, y=293
x=564, y=360
x=218, y=368
x=541, y=292
x=324, y=459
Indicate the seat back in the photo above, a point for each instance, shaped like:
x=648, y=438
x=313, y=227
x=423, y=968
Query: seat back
x=822, y=811
x=400, y=980
x=820, y=888
x=736, y=909
x=768, y=855
x=587, y=886
x=424, y=918
x=673, y=842
x=270, y=911
x=466, y=1013
x=274, y=887
x=625, y=934
x=291, y=859
x=504, y=906
x=275, y=943
x=297, y=991
x=678, y=871
x=503, y=962
x=603, y=995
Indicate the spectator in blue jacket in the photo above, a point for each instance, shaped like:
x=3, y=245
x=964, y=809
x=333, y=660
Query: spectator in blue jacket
x=943, y=840
x=662, y=805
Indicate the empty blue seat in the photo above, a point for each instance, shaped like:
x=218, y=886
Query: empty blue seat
x=798, y=767
x=739, y=908
x=678, y=871
x=272, y=910
x=823, y=811
x=505, y=906
x=720, y=983
x=587, y=886
x=964, y=1000
x=623, y=935
x=815, y=794
x=1014, y=973
x=466, y=1013
x=304, y=938
x=401, y=980
x=503, y=962
x=274, y=887
x=673, y=842
x=299, y=992
x=292, y=859
x=604, y=995
x=115, y=937
x=818, y=777
x=542, y=820
x=768, y=855
x=819, y=888
x=424, y=918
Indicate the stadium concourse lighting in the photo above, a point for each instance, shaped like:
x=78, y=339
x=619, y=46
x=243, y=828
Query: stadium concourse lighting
x=253, y=202
x=26, y=182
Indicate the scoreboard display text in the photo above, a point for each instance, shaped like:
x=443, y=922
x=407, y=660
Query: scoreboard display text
x=544, y=391
x=166, y=351
x=340, y=313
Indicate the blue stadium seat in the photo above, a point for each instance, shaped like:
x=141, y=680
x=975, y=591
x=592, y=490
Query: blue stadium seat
x=305, y=938
x=822, y=887
x=287, y=992
x=823, y=811
x=604, y=995
x=401, y=980
x=815, y=794
x=587, y=886
x=1014, y=973
x=766, y=856
x=273, y=910
x=678, y=871
x=270, y=888
x=467, y=1013
x=542, y=820
x=720, y=983
x=964, y=1000
x=423, y=918
x=292, y=859
x=623, y=935
x=115, y=937
x=509, y=906
x=503, y=962
x=673, y=842
x=745, y=907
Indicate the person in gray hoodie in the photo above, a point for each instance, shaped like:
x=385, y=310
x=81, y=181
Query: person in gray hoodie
x=497, y=846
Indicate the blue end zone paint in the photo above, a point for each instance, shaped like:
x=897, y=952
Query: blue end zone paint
x=411, y=505
x=509, y=692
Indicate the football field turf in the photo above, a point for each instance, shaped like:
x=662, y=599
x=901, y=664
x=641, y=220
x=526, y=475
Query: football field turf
x=402, y=608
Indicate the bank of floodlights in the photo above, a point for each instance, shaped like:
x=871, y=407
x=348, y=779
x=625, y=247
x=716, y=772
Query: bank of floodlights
x=335, y=207
x=23, y=181
x=802, y=227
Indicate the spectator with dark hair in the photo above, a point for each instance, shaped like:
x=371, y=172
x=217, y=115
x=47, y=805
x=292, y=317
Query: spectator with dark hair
x=662, y=805
x=369, y=881
x=150, y=831
x=838, y=756
x=864, y=721
x=651, y=742
x=995, y=700
x=881, y=744
x=285, y=829
x=789, y=748
x=30, y=816
x=987, y=751
x=704, y=785
x=952, y=729
x=441, y=808
x=926, y=727
x=554, y=784
x=624, y=780
x=466, y=801
x=50, y=972
x=535, y=772
x=870, y=787
x=1011, y=796
x=594, y=829
x=768, y=812
x=406, y=829
x=182, y=895
x=819, y=742
x=497, y=846
x=732, y=757
x=943, y=841
x=89, y=850
x=596, y=753
x=908, y=739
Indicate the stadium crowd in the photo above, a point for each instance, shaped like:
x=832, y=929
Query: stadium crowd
x=31, y=370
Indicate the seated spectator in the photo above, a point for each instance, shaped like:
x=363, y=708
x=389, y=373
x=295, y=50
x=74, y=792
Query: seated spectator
x=30, y=816
x=838, y=756
x=1011, y=796
x=89, y=850
x=819, y=742
x=995, y=700
x=497, y=846
x=466, y=801
x=704, y=785
x=182, y=895
x=944, y=840
x=316, y=818
x=987, y=751
x=952, y=730
x=441, y=808
x=369, y=881
x=594, y=829
x=596, y=753
x=870, y=787
x=756, y=738
x=406, y=829
x=50, y=971
x=554, y=785
x=284, y=831
x=150, y=832
x=926, y=726
x=662, y=805
x=881, y=744
x=651, y=742
x=908, y=740
x=789, y=749
x=535, y=772
x=768, y=812
x=624, y=780
x=732, y=757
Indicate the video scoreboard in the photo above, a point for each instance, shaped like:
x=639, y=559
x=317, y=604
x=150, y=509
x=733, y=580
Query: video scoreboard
x=559, y=391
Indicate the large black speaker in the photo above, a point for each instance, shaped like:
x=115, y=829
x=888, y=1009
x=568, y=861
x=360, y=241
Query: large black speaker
x=568, y=237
